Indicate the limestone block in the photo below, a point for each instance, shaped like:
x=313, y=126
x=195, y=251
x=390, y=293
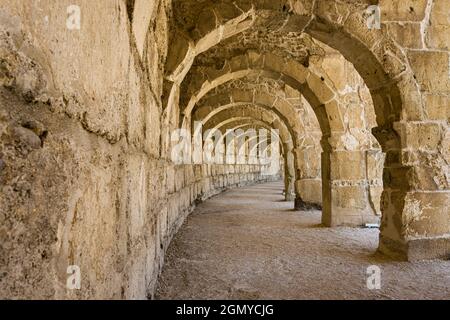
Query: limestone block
x=242, y=96
x=426, y=214
x=204, y=171
x=392, y=57
x=189, y=176
x=172, y=210
x=186, y=196
x=375, y=193
x=302, y=7
x=429, y=176
x=438, y=31
x=351, y=197
x=179, y=178
x=435, y=79
x=375, y=164
x=163, y=223
x=192, y=193
x=265, y=99
x=152, y=128
x=143, y=13
x=335, y=12
x=310, y=190
x=293, y=95
x=408, y=95
x=198, y=173
x=238, y=63
x=138, y=194
x=217, y=100
x=295, y=71
x=423, y=136
x=273, y=62
x=255, y=59
x=408, y=10
x=322, y=91
x=437, y=107
x=354, y=116
x=408, y=35
x=347, y=165
x=335, y=68
x=334, y=113
x=136, y=119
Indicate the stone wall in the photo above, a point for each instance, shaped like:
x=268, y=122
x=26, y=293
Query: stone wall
x=83, y=178
x=69, y=197
x=86, y=115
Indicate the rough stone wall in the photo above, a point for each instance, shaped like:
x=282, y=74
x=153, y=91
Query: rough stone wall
x=83, y=178
x=86, y=116
x=422, y=29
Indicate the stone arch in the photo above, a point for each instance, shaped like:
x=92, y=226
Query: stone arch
x=364, y=189
x=237, y=123
x=281, y=107
x=260, y=115
x=297, y=77
x=252, y=145
x=388, y=73
x=242, y=121
x=189, y=44
x=342, y=26
x=264, y=116
x=323, y=98
x=306, y=175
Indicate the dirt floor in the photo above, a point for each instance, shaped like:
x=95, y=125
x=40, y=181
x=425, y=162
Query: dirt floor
x=249, y=244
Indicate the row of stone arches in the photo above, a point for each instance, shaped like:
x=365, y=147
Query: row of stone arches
x=377, y=59
x=87, y=117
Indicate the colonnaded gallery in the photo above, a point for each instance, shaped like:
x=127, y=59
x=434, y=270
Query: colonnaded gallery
x=224, y=149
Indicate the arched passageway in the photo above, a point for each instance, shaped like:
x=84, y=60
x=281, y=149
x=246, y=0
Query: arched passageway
x=110, y=137
x=287, y=41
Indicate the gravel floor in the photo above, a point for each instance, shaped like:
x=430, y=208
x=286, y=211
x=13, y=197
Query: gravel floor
x=249, y=244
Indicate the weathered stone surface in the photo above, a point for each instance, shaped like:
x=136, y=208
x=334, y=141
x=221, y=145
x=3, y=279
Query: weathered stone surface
x=87, y=115
x=436, y=107
x=436, y=79
x=408, y=10
x=438, y=30
x=408, y=35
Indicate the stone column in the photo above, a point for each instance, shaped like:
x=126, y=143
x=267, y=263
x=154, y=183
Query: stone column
x=346, y=189
x=351, y=186
x=289, y=175
x=416, y=195
x=308, y=186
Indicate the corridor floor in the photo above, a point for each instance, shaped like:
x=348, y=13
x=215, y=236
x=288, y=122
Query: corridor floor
x=248, y=243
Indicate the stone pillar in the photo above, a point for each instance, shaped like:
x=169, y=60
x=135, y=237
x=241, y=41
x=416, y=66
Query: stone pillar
x=289, y=175
x=416, y=196
x=351, y=190
x=308, y=186
x=351, y=182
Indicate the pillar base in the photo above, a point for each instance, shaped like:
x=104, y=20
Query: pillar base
x=417, y=249
x=304, y=206
x=347, y=218
x=289, y=196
